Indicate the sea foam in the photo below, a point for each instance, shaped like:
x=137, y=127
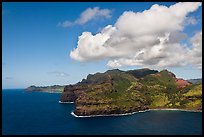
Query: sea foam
x=64, y=102
x=72, y=113
x=125, y=114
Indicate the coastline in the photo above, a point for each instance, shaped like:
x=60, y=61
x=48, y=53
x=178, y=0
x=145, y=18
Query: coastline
x=57, y=92
x=125, y=114
x=51, y=92
x=65, y=102
x=176, y=109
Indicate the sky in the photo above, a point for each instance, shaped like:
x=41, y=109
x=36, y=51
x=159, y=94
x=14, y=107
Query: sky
x=61, y=43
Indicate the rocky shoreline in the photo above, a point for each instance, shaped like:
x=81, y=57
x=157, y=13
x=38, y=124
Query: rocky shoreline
x=125, y=114
x=65, y=102
x=50, y=92
x=128, y=113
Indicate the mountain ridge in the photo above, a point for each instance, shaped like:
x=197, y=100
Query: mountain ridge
x=118, y=92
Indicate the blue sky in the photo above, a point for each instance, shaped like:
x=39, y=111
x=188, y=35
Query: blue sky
x=36, y=49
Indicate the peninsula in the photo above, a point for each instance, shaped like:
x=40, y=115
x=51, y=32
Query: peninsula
x=121, y=92
x=52, y=89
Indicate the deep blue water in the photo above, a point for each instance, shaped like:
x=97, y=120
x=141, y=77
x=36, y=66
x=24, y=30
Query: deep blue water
x=40, y=113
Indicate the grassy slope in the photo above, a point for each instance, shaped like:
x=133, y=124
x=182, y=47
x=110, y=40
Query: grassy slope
x=115, y=95
x=124, y=92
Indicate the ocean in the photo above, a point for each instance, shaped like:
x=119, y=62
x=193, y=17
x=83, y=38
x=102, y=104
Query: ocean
x=40, y=113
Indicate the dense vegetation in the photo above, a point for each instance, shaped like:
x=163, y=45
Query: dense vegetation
x=117, y=91
x=54, y=88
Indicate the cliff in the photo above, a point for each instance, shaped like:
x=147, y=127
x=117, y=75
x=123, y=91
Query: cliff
x=118, y=92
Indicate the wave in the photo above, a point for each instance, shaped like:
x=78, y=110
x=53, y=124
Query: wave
x=176, y=109
x=72, y=113
x=64, y=102
x=125, y=114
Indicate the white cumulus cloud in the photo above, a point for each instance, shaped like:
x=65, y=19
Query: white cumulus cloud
x=195, y=53
x=86, y=16
x=91, y=47
x=151, y=38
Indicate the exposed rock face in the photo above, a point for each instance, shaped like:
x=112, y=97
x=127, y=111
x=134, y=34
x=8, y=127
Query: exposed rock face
x=182, y=83
x=68, y=94
x=118, y=92
x=71, y=92
x=84, y=111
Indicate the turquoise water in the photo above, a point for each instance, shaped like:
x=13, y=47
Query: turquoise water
x=39, y=113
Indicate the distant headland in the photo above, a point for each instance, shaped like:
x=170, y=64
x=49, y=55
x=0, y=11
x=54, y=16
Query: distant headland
x=51, y=89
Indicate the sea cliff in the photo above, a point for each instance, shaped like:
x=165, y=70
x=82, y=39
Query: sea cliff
x=121, y=92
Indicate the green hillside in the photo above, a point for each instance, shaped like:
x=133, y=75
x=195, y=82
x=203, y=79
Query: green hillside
x=54, y=88
x=117, y=92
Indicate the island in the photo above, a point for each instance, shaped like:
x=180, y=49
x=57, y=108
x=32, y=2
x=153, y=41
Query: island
x=51, y=89
x=116, y=92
